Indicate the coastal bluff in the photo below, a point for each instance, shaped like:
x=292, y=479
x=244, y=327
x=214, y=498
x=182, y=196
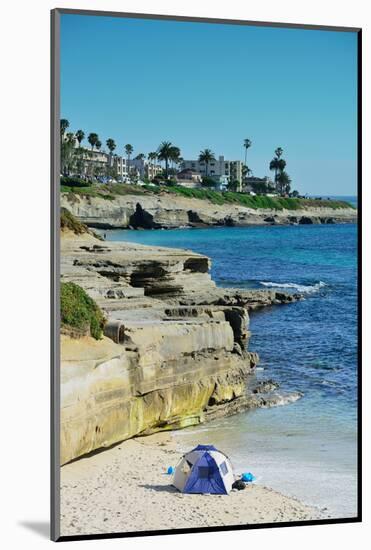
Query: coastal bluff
x=175, y=349
x=170, y=211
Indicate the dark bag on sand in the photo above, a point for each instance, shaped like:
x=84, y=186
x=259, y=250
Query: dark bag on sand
x=239, y=485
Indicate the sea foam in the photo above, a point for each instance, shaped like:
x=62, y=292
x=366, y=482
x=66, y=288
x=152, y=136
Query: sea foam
x=295, y=286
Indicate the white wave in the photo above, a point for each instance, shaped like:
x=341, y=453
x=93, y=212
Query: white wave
x=280, y=399
x=295, y=286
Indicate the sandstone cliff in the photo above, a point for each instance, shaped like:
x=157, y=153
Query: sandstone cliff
x=172, y=211
x=175, y=350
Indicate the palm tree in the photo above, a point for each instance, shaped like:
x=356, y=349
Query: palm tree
x=281, y=164
x=152, y=160
x=165, y=153
x=97, y=169
x=111, y=145
x=277, y=164
x=64, y=124
x=273, y=165
x=284, y=181
x=79, y=136
x=278, y=152
x=67, y=153
x=80, y=160
x=246, y=172
x=129, y=151
x=246, y=143
x=92, y=139
x=70, y=138
x=141, y=156
x=174, y=155
x=206, y=156
x=152, y=157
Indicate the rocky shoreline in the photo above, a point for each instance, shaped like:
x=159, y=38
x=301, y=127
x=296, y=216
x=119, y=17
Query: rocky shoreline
x=175, y=350
x=173, y=211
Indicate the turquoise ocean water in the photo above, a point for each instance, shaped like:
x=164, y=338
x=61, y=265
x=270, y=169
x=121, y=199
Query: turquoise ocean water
x=307, y=449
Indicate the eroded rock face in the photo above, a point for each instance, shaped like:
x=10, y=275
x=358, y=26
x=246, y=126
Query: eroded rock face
x=112, y=394
x=179, y=355
x=174, y=211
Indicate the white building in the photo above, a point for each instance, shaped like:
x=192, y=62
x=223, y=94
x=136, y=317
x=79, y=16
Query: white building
x=91, y=162
x=98, y=161
x=120, y=164
x=218, y=169
x=144, y=168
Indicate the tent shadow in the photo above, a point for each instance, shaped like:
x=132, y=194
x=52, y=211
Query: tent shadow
x=160, y=488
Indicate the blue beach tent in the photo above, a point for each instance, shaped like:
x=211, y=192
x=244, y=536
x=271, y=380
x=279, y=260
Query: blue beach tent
x=204, y=470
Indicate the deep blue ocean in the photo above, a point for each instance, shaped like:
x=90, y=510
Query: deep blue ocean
x=306, y=449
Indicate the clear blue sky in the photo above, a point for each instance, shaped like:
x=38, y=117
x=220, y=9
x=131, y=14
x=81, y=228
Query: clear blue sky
x=205, y=85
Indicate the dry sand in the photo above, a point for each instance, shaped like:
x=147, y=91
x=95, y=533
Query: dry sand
x=126, y=488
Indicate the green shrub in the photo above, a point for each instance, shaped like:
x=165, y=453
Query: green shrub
x=100, y=191
x=110, y=191
x=123, y=189
x=68, y=221
x=74, y=182
x=256, y=201
x=155, y=189
x=80, y=311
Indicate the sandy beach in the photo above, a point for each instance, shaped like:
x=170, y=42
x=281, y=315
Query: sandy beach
x=126, y=488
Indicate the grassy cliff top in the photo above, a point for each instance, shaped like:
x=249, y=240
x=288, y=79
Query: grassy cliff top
x=79, y=311
x=111, y=191
x=68, y=221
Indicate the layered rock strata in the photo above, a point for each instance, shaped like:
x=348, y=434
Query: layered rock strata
x=174, y=211
x=175, y=350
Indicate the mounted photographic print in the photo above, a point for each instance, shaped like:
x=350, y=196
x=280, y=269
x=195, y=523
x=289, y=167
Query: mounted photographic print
x=206, y=204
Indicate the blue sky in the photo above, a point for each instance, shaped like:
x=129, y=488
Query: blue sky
x=205, y=85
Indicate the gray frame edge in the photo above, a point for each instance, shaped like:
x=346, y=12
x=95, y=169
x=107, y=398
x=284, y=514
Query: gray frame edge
x=192, y=19
x=55, y=277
